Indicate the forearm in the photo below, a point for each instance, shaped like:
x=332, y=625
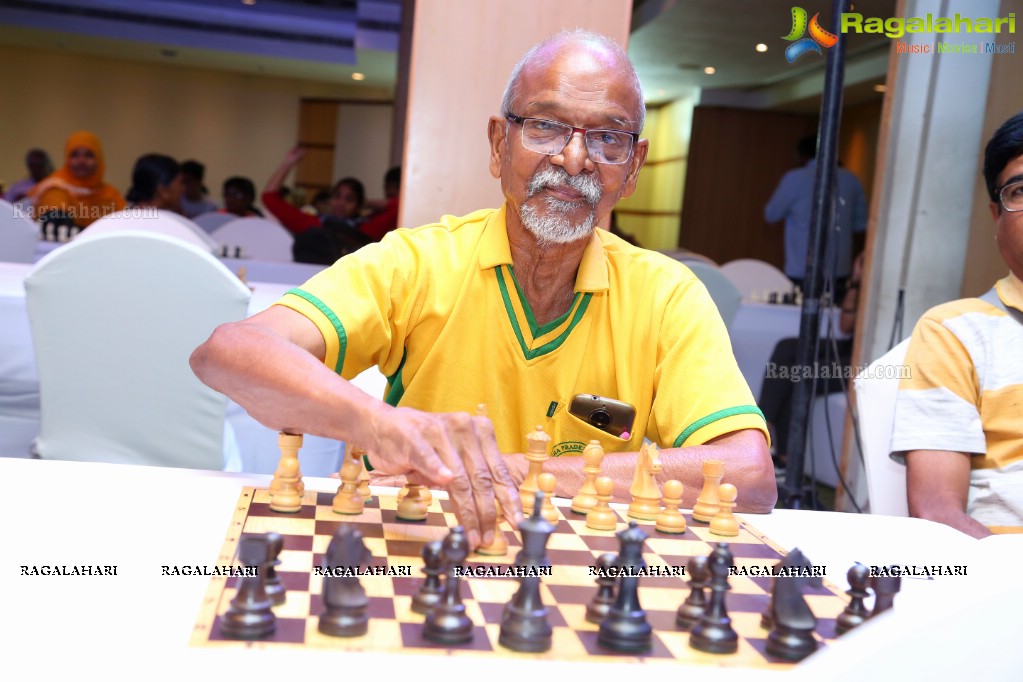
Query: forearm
x=948, y=514
x=277, y=178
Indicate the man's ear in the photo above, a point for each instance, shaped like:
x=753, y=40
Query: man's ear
x=639, y=152
x=497, y=133
x=996, y=210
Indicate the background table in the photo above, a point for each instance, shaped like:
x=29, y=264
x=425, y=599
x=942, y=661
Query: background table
x=136, y=625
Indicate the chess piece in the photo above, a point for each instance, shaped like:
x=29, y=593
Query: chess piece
x=691, y=610
x=714, y=633
x=356, y=453
x=600, y=606
x=724, y=522
x=344, y=599
x=602, y=517
x=250, y=616
x=793, y=623
x=626, y=627
x=767, y=617
x=885, y=588
x=499, y=547
x=547, y=483
x=447, y=623
x=524, y=625
x=670, y=519
x=646, y=496
x=286, y=488
x=536, y=454
x=413, y=506
x=271, y=581
x=348, y=500
x=586, y=499
x=431, y=591
x=707, y=503
x=856, y=612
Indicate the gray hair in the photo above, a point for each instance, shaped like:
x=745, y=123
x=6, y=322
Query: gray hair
x=539, y=55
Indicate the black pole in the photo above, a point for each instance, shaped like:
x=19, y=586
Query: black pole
x=793, y=494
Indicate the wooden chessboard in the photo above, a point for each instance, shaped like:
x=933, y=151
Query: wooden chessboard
x=394, y=627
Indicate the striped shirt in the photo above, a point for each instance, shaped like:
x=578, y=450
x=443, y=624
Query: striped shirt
x=965, y=394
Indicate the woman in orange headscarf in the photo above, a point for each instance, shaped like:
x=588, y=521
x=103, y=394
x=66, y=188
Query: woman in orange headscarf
x=77, y=189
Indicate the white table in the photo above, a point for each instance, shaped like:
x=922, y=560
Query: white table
x=136, y=625
x=19, y=387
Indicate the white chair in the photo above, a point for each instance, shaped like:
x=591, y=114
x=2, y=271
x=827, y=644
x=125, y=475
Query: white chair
x=875, y=401
x=254, y=238
x=18, y=235
x=752, y=275
x=114, y=319
x=211, y=221
x=725, y=294
x=151, y=220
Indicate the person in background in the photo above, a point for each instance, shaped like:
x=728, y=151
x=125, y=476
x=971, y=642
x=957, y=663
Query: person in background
x=320, y=205
x=76, y=191
x=156, y=181
x=194, y=199
x=39, y=166
x=240, y=197
x=384, y=217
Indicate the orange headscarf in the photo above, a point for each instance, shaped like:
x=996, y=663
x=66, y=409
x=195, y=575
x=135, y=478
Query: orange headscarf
x=84, y=200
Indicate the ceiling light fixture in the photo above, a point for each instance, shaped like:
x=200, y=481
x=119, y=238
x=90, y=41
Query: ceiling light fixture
x=358, y=76
x=709, y=70
x=761, y=47
x=880, y=87
x=248, y=2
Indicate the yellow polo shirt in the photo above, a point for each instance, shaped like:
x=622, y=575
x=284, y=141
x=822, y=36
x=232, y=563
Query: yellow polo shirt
x=438, y=310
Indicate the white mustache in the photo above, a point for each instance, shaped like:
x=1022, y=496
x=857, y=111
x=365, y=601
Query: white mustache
x=554, y=176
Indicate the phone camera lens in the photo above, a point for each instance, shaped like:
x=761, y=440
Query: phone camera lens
x=600, y=418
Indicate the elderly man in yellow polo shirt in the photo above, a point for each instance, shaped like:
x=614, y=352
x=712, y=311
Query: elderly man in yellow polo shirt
x=958, y=415
x=526, y=308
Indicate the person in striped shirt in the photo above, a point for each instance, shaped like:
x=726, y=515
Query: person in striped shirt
x=958, y=423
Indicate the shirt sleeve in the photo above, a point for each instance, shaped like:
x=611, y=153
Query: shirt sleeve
x=937, y=404
x=700, y=393
x=778, y=205
x=382, y=222
x=292, y=218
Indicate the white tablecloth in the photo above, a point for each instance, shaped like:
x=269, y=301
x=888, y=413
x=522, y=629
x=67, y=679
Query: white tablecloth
x=141, y=518
x=19, y=387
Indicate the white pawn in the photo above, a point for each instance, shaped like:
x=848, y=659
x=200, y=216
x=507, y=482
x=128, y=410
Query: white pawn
x=349, y=499
x=602, y=517
x=593, y=456
x=670, y=519
x=547, y=483
x=413, y=506
x=724, y=522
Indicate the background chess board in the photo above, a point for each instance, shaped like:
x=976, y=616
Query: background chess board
x=394, y=627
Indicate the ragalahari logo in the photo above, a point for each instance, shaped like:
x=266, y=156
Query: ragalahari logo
x=817, y=39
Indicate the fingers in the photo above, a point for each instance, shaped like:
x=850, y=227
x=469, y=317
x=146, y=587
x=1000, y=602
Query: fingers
x=449, y=444
x=469, y=448
x=504, y=487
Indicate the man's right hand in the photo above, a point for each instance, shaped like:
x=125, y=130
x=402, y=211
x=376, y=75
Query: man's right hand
x=456, y=451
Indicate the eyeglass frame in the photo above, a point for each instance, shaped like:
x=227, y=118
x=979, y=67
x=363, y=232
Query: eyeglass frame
x=1001, y=201
x=521, y=120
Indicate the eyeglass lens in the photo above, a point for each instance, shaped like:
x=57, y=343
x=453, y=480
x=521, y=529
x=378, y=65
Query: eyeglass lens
x=550, y=137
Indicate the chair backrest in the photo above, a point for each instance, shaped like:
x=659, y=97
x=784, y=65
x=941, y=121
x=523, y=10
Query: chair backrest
x=18, y=235
x=114, y=319
x=254, y=238
x=212, y=220
x=875, y=401
x=151, y=220
x=752, y=275
x=725, y=294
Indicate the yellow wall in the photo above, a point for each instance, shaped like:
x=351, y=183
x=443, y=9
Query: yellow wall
x=237, y=124
x=652, y=213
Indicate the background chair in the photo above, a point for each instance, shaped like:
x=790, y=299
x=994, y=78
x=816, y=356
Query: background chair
x=752, y=275
x=152, y=220
x=114, y=319
x=211, y=221
x=725, y=294
x=875, y=400
x=18, y=235
x=254, y=238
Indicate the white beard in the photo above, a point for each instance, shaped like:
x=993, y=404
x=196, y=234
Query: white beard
x=556, y=227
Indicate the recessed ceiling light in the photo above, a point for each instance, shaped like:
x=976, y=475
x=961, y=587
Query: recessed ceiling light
x=880, y=87
x=709, y=70
x=761, y=47
x=358, y=76
x=248, y=2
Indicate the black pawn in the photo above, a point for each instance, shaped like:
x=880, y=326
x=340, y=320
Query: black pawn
x=691, y=610
x=856, y=612
x=714, y=633
x=344, y=599
x=272, y=582
x=447, y=622
x=431, y=591
x=250, y=616
x=626, y=627
x=524, y=625
x=885, y=588
x=600, y=606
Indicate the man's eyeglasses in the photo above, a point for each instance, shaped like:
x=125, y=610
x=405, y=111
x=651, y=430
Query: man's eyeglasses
x=550, y=137
x=1011, y=196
